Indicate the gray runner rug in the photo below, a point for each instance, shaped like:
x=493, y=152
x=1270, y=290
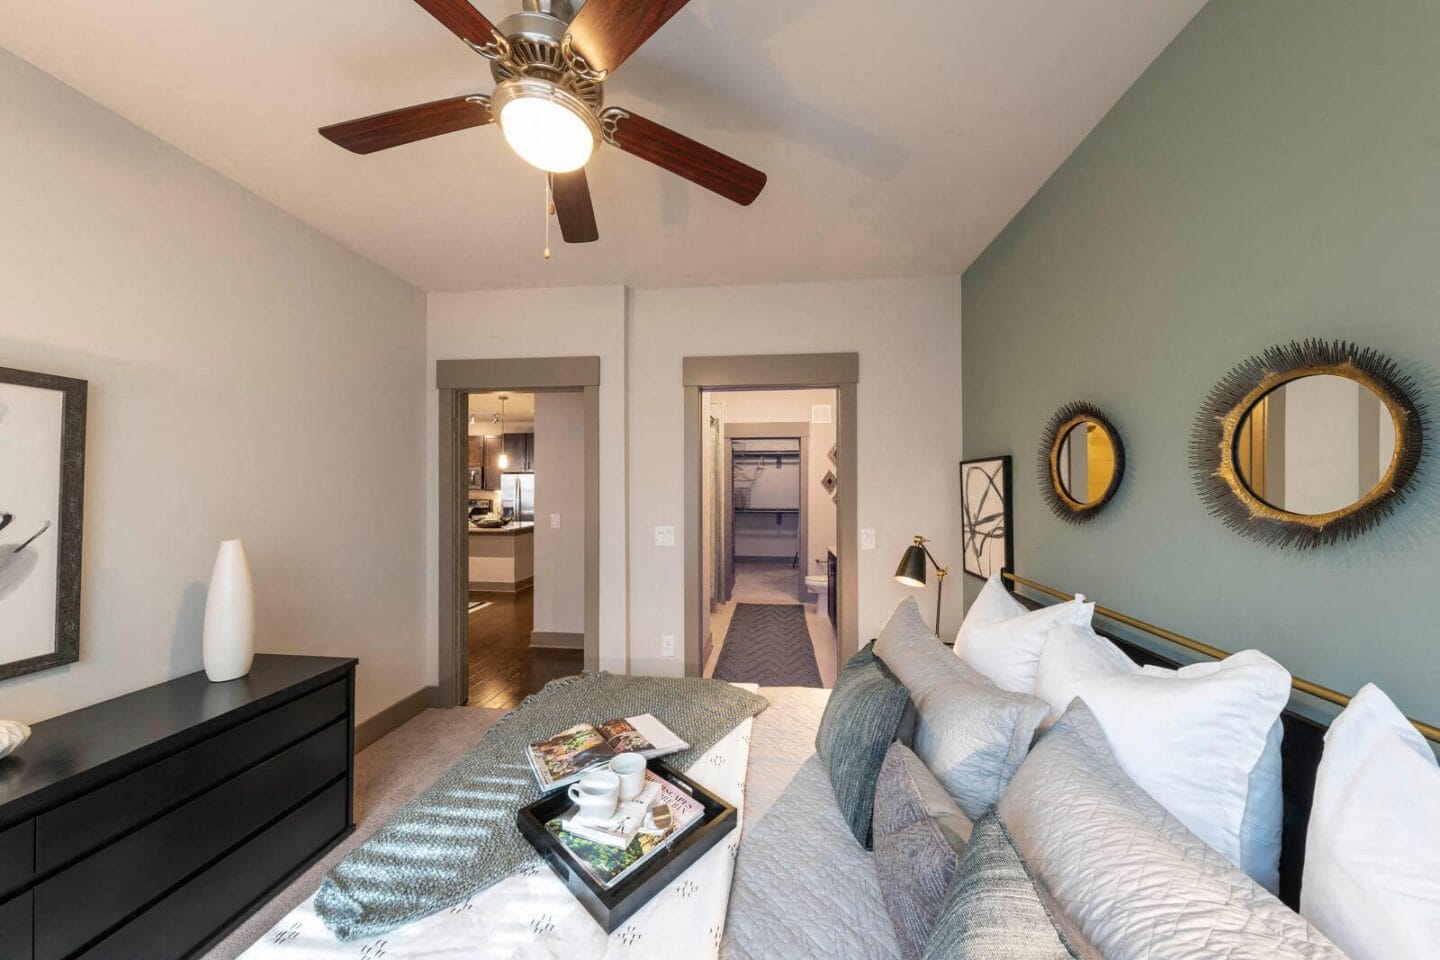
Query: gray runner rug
x=768, y=644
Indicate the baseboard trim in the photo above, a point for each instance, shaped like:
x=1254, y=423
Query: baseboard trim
x=393, y=716
x=496, y=586
x=550, y=640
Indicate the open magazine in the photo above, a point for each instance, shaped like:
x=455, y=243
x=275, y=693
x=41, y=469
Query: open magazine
x=610, y=864
x=565, y=756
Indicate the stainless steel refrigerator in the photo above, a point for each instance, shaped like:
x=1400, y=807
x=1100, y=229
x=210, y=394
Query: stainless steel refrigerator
x=517, y=495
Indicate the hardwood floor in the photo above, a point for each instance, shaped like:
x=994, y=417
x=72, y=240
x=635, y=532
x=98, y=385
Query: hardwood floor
x=503, y=667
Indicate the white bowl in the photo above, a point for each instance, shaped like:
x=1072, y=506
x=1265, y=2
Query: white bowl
x=12, y=734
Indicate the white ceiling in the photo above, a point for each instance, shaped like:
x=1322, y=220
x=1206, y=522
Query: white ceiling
x=899, y=139
x=519, y=407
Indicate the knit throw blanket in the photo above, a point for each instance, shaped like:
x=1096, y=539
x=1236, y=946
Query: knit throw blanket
x=459, y=836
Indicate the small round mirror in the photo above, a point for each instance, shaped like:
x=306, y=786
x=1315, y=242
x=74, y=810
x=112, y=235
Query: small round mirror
x=1316, y=445
x=1081, y=462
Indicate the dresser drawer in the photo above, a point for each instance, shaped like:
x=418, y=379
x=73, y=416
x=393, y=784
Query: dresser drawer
x=87, y=899
x=17, y=857
x=15, y=924
x=75, y=828
x=187, y=918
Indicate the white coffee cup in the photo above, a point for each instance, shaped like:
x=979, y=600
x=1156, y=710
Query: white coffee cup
x=596, y=794
x=630, y=768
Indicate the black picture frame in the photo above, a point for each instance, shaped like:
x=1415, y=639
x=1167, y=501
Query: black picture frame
x=979, y=518
x=70, y=522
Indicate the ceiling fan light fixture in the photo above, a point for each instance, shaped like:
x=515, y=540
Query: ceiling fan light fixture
x=547, y=125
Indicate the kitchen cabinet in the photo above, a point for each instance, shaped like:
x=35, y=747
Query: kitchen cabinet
x=490, y=473
x=520, y=448
x=477, y=451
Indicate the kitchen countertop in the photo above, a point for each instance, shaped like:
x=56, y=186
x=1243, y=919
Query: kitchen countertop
x=513, y=529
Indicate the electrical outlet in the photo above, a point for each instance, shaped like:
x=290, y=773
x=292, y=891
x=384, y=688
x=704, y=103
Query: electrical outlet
x=554, y=521
x=867, y=538
x=667, y=645
x=665, y=537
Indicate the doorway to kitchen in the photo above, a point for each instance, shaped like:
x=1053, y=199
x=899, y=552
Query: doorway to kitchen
x=519, y=534
x=770, y=519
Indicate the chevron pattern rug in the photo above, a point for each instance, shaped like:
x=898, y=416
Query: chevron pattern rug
x=768, y=644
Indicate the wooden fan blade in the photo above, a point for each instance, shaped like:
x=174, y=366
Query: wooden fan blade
x=408, y=124
x=680, y=155
x=463, y=20
x=606, y=32
x=571, y=193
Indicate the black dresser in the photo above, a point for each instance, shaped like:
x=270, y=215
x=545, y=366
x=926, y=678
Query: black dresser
x=150, y=825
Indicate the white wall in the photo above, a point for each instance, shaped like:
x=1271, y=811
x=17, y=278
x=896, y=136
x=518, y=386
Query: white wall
x=907, y=333
x=560, y=490
x=561, y=322
x=248, y=378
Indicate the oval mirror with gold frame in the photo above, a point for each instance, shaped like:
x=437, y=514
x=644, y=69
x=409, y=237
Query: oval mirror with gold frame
x=1081, y=462
x=1308, y=443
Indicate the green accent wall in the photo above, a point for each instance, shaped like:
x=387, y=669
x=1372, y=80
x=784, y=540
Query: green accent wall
x=1274, y=175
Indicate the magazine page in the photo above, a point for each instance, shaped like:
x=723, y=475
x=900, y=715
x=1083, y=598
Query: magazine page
x=569, y=753
x=643, y=734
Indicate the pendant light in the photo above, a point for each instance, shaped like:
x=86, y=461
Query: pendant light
x=504, y=460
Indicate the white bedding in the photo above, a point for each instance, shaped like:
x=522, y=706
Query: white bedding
x=532, y=915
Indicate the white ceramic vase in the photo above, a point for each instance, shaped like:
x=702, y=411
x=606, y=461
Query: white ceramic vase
x=229, y=645
x=12, y=735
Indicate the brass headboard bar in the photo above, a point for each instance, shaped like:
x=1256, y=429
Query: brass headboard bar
x=1215, y=653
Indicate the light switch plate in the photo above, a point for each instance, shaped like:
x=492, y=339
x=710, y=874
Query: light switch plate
x=820, y=413
x=667, y=645
x=664, y=536
x=867, y=538
x=554, y=521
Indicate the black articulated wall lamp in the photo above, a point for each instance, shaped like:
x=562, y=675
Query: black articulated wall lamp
x=911, y=572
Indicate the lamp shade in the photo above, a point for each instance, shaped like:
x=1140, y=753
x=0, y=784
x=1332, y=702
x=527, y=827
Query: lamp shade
x=911, y=571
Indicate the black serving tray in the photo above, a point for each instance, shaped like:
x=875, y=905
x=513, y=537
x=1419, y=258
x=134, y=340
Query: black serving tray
x=614, y=906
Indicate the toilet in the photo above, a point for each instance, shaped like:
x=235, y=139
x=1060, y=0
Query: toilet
x=818, y=585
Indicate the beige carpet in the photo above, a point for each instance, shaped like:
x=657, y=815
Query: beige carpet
x=388, y=774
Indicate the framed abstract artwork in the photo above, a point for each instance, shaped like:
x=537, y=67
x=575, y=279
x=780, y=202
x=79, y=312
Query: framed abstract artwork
x=985, y=521
x=42, y=493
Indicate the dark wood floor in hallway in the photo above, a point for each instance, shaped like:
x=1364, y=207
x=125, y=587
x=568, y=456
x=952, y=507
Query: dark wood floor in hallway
x=503, y=667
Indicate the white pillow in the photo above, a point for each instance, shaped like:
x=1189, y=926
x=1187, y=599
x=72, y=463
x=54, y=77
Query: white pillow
x=1138, y=884
x=994, y=603
x=1193, y=739
x=1370, y=880
x=1008, y=651
x=1073, y=657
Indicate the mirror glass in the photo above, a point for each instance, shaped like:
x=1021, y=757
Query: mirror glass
x=1315, y=445
x=1086, y=462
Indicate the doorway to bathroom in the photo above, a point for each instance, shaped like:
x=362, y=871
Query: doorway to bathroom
x=769, y=492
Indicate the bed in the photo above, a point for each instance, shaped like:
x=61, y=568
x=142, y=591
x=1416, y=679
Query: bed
x=764, y=766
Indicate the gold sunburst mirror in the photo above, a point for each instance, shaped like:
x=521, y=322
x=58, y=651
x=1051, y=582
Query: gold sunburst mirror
x=1081, y=462
x=1308, y=443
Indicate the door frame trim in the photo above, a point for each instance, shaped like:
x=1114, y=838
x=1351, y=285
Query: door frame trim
x=456, y=380
x=837, y=371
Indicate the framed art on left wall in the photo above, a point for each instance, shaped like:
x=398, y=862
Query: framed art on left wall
x=42, y=493
x=985, y=517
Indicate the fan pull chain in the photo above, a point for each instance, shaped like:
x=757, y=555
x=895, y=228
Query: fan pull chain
x=549, y=210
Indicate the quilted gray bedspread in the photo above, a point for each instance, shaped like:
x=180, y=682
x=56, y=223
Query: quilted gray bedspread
x=803, y=887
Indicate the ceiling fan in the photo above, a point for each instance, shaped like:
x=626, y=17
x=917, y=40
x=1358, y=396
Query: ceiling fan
x=550, y=67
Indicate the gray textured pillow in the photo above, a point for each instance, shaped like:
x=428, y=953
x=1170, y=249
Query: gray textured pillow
x=859, y=724
x=970, y=733
x=919, y=833
x=995, y=908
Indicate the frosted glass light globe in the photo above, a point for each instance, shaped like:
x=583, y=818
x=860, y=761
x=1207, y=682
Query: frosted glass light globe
x=547, y=134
